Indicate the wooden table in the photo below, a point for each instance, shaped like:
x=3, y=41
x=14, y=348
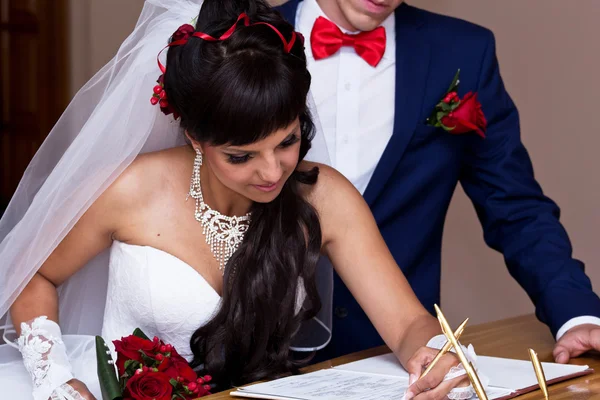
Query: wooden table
x=509, y=338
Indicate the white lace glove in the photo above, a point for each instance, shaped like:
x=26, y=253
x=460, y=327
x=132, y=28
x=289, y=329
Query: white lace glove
x=45, y=358
x=459, y=393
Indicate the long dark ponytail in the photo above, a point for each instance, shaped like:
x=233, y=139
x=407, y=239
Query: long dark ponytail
x=238, y=91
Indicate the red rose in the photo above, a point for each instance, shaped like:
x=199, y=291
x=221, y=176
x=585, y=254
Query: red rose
x=467, y=117
x=149, y=385
x=128, y=348
x=184, y=32
x=177, y=366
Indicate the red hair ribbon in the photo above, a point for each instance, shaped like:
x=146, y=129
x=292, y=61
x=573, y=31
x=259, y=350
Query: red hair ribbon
x=183, y=34
x=181, y=37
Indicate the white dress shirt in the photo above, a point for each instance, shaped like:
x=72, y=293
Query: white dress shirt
x=355, y=103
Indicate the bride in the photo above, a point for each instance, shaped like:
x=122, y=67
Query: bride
x=213, y=236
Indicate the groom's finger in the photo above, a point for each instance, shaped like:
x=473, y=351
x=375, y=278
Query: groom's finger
x=561, y=354
x=594, y=339
x=576, y=342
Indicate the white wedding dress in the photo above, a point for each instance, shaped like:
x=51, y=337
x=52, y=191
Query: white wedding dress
x=147, y=289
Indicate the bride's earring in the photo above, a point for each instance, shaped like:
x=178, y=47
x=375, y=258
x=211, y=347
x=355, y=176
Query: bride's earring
x=198, y=157
x=195, y=189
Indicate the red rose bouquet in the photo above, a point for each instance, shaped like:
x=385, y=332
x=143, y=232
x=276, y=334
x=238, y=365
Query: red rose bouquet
x=147, y=370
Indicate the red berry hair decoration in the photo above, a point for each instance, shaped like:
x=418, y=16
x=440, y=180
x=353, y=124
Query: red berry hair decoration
x=159, y=96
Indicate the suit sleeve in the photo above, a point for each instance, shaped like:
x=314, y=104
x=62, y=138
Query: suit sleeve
x=517, y=218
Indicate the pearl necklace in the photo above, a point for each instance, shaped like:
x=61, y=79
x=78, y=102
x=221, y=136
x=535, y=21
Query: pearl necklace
x=224, y=234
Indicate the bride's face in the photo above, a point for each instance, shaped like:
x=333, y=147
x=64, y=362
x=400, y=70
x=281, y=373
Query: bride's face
x=257, y=171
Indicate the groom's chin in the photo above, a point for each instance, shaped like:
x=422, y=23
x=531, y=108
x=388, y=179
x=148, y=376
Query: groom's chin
x=366, y=15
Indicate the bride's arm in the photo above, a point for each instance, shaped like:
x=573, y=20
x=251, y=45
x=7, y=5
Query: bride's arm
x=88, y=237
x=361, y=258
x=117, y=207
x=35, y=311
x=352, y=241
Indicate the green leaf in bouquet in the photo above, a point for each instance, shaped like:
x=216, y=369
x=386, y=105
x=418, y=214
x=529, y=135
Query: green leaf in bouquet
x=131, y=366
x=107, y=375
x=455, y=105
x=148, y=361
x=139, y=333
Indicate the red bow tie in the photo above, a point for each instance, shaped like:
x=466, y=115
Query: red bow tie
x=326, y=39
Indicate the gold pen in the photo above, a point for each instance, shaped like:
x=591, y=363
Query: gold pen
x=461, y=355
x=445, y=349
x=539, y=372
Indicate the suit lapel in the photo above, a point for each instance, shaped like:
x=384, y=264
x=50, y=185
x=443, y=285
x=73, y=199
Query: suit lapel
x=412, y=67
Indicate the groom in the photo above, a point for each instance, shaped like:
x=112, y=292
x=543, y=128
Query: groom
x=374, y=92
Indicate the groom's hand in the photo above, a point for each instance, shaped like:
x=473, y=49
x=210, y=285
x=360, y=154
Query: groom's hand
x=576, y=341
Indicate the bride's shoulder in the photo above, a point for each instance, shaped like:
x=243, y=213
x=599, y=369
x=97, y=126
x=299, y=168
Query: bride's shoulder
x=335, y=199
x=148, y=175
x=330, y=189
x=327, y=174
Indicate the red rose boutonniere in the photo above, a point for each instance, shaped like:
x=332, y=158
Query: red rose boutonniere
x=457, y=115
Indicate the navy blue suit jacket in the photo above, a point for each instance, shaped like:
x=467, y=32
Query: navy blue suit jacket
x=413, y=183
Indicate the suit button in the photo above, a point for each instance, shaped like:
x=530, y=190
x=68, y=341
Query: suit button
x=341, y=312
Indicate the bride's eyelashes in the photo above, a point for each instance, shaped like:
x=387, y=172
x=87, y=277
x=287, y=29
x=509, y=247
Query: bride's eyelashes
x=291, y=140
x=235, y=159
x=244, y=157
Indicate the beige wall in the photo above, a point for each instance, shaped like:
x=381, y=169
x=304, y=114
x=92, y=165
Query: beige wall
x=97, y=33
x=552, y=76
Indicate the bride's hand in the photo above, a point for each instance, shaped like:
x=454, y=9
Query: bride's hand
x=432, y=386
x=81, y=389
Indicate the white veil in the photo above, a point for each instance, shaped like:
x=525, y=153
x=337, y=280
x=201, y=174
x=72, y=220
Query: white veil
x=107, y=124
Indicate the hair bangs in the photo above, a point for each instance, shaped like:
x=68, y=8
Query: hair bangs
x=255, y=97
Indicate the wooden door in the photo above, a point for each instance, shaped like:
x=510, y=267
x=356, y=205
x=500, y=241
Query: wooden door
x=33, y=81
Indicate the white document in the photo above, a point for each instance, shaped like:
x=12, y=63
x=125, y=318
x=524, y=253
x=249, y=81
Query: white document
x=518, y=374
x=383, y=378
x=330, y=384
x=501, y=372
